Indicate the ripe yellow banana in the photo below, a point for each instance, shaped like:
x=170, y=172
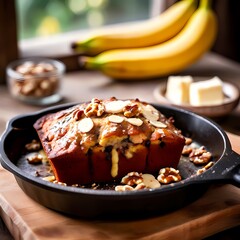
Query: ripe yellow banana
x=142, y=34
x=163, y=59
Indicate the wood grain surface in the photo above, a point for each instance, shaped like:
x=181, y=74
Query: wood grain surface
x=218, y=209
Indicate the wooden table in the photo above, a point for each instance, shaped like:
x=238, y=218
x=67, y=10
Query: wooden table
x=217, y=210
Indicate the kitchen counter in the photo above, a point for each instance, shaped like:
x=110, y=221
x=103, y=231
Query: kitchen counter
x=26, y=218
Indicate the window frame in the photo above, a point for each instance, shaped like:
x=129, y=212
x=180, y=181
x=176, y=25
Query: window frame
x=8, y=35
x=57, y=47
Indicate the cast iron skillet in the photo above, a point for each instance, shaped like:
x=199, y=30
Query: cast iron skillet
x=89, y=203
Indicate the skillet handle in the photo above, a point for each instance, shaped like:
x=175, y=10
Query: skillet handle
x=227, y=170
x=236, y=173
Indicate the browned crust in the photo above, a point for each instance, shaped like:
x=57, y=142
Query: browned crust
x=80, y=159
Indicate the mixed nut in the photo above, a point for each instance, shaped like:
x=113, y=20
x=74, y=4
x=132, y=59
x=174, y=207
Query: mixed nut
x=130, y=111
x=34, y=79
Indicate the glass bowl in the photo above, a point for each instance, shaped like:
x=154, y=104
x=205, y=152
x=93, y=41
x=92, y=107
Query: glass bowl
x=35, y=80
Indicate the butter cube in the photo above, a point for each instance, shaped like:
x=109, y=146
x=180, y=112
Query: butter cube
x=206, y=93
x=178, y=89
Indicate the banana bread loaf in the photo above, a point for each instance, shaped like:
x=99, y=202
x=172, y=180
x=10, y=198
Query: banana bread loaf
x=104, y=140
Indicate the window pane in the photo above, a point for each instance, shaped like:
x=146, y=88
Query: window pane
x=48, y=17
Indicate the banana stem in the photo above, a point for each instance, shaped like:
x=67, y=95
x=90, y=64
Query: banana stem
x=89, y=63
x=206, y=4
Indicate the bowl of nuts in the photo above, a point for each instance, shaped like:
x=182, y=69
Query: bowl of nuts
x=35, y=80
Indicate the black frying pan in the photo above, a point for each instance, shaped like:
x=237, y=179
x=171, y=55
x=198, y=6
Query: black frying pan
x=91, y=203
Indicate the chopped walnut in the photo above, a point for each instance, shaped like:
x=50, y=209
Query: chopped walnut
x=171, y=120
x=45, y=159
x=34, y=158
x=33, y=146
x=123, y=188
x=188, y=141
x=49, y=178
x=60, y=183
x=140, y=186
x=132, y=178
x=197, y=152
x=186, y=150
x=131, y=110
x=77, y=114
x=75, y=185
x=168, y=175
x=95, y=108
x=201, y=170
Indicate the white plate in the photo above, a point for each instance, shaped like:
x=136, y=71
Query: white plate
x=231, y=100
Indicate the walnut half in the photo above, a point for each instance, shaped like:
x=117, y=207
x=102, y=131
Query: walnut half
x=132, y=178
x=200, y=156
x=168, y=175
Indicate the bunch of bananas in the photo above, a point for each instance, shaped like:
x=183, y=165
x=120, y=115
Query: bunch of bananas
x=158, y=47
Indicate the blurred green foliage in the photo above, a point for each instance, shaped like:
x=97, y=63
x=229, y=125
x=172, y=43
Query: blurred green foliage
x=47, y=17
